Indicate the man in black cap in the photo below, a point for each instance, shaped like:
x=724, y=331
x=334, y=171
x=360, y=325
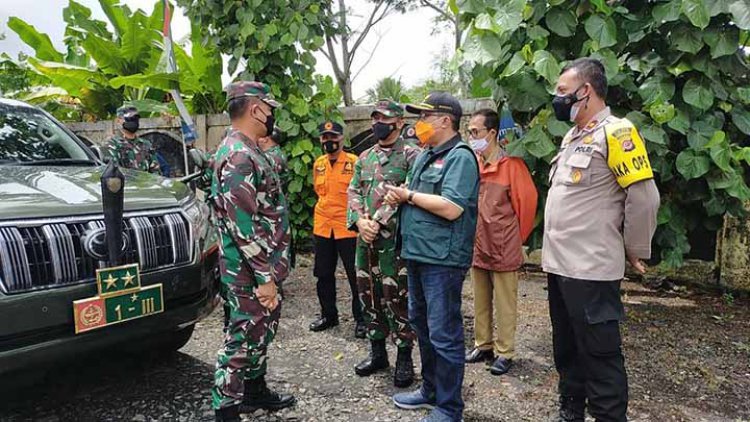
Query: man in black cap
x=332, y=173
x=438, y=223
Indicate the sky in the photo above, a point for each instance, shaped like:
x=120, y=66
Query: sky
x=407, y=48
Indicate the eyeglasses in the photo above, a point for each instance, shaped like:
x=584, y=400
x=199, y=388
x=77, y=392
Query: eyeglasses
x=475, y=133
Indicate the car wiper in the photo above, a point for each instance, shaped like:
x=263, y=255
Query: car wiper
x=57, y=162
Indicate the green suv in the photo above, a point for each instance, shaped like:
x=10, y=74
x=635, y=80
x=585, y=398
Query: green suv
x=51, y=218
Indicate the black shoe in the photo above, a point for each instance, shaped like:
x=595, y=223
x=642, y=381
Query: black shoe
x=259, y=396
x=378, y=360
x=360, y=331
x=404, y=374
x=501, y=366
x=478, y=355
x=572, y=409
x=228, y=414
x=324, y=323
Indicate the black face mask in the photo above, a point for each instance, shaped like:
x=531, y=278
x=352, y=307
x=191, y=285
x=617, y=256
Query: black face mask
x=131, y=125
x=382, y=131
x=562, y=104
x=330, y=147
x=269, y=123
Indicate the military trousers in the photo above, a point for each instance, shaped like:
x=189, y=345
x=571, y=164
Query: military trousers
x=587, y=345
x=251, y=329
x=382, y=283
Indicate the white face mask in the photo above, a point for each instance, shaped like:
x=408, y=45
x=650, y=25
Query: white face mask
x=478, y=145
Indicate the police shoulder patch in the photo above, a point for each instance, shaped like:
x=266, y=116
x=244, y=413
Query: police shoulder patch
x=627, y=155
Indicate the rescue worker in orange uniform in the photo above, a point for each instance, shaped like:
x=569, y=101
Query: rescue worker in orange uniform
x=332, y=173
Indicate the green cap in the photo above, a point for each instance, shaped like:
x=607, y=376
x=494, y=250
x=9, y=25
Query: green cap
x=388, y=108
x=127, y=111
x=251, y=89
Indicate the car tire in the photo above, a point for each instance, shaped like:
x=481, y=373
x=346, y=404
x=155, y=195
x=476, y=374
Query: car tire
x=176, y=340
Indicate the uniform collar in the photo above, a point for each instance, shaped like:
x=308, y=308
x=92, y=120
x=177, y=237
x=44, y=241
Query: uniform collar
x=595, y=121
x=396, y=146
x=445, y=146
x=492, y=167
x=245, y=140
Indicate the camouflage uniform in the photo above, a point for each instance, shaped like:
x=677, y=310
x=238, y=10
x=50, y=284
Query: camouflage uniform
x=381, y=276
x=246, y=194
x=278, y=162
x=276, y=155
x=136, y=153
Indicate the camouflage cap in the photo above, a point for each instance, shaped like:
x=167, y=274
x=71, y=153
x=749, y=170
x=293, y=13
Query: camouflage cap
x=251, y=89
x=127, y=111
x=388, y=108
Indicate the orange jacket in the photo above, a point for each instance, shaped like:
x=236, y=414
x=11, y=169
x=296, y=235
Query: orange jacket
x=331, y=183
x=506, y=211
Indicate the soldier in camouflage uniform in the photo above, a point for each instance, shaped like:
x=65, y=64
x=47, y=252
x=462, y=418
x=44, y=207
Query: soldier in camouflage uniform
x=271, y=146
x=252, y=217
x=381, y=276
x=126, y=148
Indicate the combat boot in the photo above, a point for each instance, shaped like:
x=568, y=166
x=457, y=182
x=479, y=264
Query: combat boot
x=572, y=409
x=259, y=396
x=228, y=414
x=404, y=374
x=378, y=360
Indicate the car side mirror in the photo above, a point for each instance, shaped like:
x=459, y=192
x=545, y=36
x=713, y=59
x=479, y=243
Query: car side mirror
x=197, y=156
x=97, y=150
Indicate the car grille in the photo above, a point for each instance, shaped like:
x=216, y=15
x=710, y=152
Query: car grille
x=51, y=254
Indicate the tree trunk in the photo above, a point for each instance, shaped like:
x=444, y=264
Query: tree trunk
x=346, y=90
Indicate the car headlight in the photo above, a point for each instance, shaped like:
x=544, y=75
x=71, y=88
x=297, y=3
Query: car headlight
x=197, y=214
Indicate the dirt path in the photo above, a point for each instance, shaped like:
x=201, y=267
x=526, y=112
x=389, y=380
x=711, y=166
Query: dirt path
x=688, y=357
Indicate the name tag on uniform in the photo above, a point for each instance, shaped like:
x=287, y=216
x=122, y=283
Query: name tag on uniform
x=438, y=164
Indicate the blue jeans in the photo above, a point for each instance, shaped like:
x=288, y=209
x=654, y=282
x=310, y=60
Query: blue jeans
x=435, y=316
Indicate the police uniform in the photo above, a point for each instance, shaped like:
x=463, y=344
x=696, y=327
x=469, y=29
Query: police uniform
x=253, y=221
x=332, y=237
x=132, y=153
x=381, y=275
x=602, y=204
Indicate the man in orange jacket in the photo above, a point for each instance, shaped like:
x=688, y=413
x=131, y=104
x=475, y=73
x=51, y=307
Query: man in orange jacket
x=332, y=173
x=507, y=206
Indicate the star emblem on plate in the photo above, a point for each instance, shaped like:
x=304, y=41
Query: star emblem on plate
x=128, y=278
x=110, y=281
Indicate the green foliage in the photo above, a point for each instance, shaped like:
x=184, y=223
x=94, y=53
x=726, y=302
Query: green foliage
x=675, y=68
x=100, y=70
x=388, y=88
x=275, y=41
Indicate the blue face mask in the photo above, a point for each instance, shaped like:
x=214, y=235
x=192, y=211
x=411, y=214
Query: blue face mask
x=478, y=145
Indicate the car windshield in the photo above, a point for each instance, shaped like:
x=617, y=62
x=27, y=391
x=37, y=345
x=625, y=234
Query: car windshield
x=28, y=135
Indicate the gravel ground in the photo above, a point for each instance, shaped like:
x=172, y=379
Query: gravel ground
x=688, y=357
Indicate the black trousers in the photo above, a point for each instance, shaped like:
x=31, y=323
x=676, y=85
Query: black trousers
x=587, y=345
x=327, y=253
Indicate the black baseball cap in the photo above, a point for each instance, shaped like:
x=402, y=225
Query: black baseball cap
x=330, y=126
x=438, y=102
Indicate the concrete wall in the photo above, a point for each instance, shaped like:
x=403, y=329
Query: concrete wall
x=211, y=127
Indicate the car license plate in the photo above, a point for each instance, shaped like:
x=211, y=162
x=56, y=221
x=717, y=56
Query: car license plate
x=121, y=298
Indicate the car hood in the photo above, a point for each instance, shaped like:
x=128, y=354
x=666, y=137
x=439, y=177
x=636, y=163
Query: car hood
x=51, y=191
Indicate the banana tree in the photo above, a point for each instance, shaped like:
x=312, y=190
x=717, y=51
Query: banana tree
x=102, y=70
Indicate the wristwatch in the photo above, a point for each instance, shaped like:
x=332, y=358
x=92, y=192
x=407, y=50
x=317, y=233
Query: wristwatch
x=410, y=198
